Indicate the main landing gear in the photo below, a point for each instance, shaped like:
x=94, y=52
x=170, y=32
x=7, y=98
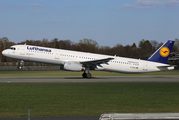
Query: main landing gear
x=86, y=75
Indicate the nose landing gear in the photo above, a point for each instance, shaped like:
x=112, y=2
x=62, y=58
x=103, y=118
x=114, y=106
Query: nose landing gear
x=20, y=64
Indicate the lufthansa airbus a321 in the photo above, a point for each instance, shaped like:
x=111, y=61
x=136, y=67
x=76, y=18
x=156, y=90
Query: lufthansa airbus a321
x=83, y=61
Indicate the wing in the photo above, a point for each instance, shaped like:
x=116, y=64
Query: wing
x=95, y=63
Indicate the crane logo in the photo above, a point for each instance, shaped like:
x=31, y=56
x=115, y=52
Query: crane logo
x=164, y=51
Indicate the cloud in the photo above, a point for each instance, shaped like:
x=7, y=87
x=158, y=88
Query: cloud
x=70, y=5
x=2, y=4
x=39, y=11
x=171, y=3
x=18, y=6
x=11, y=5
x=158, y=3
x=110, y=6
x=82, y=5
x=119, y=16
x=134, y=6
x=52, y=21
x=146, y=4
x=37, y=5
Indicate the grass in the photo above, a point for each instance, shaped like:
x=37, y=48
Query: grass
x=67, y=73
x=85, y=99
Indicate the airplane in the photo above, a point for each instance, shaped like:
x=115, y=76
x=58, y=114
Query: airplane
x=83, y=61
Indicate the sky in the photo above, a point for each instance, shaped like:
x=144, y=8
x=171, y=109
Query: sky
x=109, y=22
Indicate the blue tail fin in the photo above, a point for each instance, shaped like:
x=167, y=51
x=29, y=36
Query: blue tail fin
x=162, y=54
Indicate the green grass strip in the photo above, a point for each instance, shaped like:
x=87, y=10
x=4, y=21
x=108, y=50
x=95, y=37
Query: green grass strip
x=85, y=99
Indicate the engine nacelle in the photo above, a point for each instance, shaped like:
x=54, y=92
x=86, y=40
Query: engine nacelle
x=73, y=66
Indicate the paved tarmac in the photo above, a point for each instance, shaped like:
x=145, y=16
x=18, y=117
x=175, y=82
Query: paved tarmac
x=166, y=78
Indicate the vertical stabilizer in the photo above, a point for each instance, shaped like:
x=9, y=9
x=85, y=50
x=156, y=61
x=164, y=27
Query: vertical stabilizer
x=162, y=54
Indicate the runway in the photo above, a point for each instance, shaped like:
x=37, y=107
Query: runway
x=167, y=78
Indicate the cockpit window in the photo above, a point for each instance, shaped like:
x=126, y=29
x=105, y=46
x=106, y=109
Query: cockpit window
x=12, y=48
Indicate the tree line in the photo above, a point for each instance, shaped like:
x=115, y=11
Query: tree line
x=144, y=49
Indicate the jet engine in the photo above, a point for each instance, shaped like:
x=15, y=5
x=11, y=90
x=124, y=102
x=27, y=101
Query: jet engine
x=73, y=66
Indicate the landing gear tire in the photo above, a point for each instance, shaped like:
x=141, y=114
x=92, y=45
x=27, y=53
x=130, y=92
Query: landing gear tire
x=89, y=75
x=86, y=75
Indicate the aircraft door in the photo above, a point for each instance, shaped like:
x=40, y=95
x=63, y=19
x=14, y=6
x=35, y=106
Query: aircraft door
x=22, y=50
x=145, y=66
x=57, y=54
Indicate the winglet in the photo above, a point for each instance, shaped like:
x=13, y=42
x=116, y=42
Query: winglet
x=162, y=54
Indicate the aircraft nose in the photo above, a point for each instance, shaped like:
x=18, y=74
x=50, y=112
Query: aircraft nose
x=4, y=52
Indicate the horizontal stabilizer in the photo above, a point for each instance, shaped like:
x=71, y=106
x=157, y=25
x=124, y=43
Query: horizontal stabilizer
x=164, y=68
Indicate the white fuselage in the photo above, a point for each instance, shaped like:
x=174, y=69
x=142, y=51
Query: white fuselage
x=60, y=56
